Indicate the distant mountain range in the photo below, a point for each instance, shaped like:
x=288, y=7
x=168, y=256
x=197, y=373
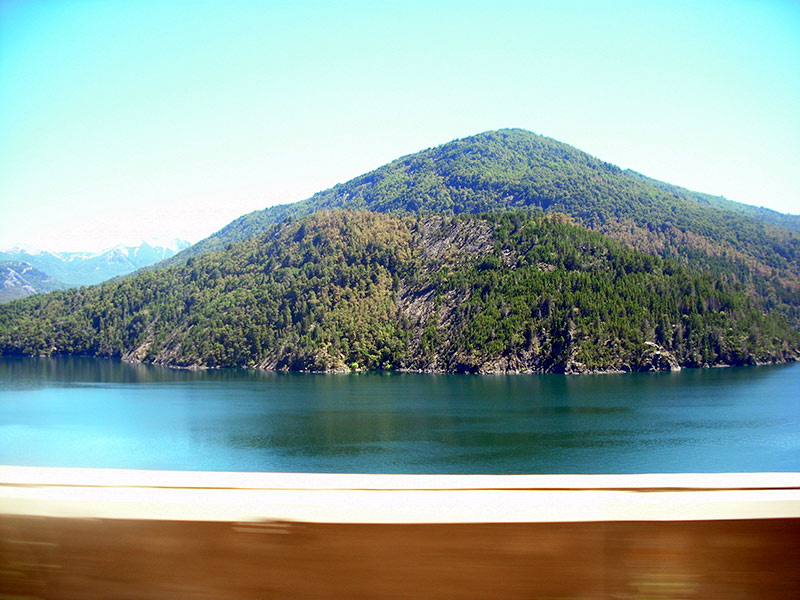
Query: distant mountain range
x=502, y=252
x=20, y=279
x=88, y=268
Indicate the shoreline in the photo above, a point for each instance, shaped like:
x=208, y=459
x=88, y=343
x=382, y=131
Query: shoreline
x=339, y=371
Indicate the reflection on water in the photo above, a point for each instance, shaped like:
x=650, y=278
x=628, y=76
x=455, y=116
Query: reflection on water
x=87, y=412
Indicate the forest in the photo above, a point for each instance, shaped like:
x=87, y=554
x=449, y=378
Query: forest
x=514, y=169
x=515, y=291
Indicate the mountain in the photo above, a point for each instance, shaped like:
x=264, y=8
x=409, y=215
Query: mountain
x=87, y=268
x=517, y=291
x=20, y=279
x=513, y=169
x=501, y=252
x=766, y=215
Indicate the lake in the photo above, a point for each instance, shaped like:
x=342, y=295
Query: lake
x=81, y=412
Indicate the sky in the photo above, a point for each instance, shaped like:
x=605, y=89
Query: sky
x=126, y=120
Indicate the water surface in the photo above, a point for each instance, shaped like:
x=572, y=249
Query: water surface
x=93, y=413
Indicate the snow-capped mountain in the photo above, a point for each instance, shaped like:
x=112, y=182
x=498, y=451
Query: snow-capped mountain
x=87, y=268
x=20, y=279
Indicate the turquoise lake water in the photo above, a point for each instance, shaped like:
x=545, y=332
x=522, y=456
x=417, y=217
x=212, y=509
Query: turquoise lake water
x=94, y=413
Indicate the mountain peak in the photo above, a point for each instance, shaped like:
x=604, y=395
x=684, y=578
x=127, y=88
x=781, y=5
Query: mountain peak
x=19, y=279
x=515, y=169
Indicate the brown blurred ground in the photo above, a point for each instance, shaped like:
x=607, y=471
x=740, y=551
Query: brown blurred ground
x=43, y=557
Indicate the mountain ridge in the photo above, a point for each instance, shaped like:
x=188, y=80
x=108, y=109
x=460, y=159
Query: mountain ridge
x=513, y=169
x=89, y=268
x=501, y=252
x=20, y=279
x=338, y=195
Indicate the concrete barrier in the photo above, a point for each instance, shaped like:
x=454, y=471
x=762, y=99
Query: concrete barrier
x=356, y=498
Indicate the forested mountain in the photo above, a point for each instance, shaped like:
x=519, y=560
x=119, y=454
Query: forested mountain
x=502, y=252
x=766, y=215
x=88, y=268
x=515, y=169
x=518, y=291
x=20, y=279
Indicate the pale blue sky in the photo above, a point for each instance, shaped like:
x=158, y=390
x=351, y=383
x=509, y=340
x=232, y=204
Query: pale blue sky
x=121, y=120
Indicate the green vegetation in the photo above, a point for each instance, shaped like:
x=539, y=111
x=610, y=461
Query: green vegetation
x=338, y=290
x=501, y=252
x=514, y=169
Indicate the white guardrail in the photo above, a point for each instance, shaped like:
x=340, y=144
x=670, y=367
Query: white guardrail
x=353, y=498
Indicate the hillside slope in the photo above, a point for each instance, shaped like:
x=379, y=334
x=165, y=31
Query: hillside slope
x=767, y=215
x=341, y=290
x=515, y=169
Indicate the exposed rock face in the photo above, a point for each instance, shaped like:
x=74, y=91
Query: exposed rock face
x=354, y=290
x=655, y=358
